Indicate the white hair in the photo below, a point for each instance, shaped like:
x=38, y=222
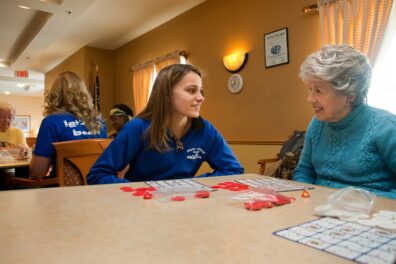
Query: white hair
x=7, y=106
x=347, y=69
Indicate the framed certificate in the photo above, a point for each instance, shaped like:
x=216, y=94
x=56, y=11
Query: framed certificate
x=276, y=48
x=22, y=122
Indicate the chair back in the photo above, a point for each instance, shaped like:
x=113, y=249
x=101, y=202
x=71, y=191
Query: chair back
x=75, y=158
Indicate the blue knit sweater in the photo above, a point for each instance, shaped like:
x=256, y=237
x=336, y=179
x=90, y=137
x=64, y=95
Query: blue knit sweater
x=359, y=150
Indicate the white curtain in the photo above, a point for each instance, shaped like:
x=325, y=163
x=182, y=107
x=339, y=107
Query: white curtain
x=382, y=93
x=358, y=23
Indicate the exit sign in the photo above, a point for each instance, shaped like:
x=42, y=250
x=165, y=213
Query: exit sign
x=24, y=74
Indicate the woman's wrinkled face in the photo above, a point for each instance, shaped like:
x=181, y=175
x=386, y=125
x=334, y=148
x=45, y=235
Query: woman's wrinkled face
x=187, y=96
x=328, y=105
x=6, y=119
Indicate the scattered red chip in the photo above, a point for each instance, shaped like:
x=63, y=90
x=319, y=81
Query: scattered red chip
x=127, y=189
x=253, y=205
x=202, y=194
x=147, y=195
x=178, y=198
x=232, y=186
x=151, y=189
x=234, y=189
x=141, y=189
x=139, y=193
x=266, y=204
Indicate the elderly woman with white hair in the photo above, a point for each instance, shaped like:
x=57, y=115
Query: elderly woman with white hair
x=348, y=143
x=10, y=136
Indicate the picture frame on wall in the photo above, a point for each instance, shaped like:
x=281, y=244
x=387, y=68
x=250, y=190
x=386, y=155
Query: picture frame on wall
x=22, y=122
x=276, y=48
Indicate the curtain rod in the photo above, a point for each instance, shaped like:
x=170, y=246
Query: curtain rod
x=158, y=59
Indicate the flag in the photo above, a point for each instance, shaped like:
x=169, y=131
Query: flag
x=97, y=90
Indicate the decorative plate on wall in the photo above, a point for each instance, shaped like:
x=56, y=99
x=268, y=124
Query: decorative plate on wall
x=235, y=83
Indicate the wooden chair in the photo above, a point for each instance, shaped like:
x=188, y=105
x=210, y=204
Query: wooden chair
x=75, y=158
x=283, y=165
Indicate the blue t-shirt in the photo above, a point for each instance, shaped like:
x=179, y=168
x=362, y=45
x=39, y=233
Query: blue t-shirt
x=202, y=142
x=59, y=128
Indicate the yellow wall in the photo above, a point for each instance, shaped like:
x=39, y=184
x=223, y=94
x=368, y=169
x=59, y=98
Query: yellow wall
x=272, y=102
x=84, y=63
x=27, y=105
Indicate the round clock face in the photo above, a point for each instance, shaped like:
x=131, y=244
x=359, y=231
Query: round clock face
x=235, y=83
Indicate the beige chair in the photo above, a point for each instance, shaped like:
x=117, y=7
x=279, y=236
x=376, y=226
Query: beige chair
x=75, y=158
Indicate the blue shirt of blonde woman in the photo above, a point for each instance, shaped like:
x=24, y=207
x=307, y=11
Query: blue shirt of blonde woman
x=58, y=128
x=202, y=142
x=359, y=150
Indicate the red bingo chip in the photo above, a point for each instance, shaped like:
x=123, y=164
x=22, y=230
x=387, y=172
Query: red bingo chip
x=253, y=205
x=202, y=194
x=178, y=198
x=147, y=195
x=139, y=193
x=127, y=189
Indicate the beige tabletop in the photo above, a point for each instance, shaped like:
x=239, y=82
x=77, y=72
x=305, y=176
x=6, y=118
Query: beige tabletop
x=102, y=224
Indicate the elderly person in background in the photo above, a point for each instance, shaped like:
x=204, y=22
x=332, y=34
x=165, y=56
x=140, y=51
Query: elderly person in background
x=120, y=114
x=10, y=136
x=348, y=143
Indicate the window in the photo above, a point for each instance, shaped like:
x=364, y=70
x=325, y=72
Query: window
x=382, y=93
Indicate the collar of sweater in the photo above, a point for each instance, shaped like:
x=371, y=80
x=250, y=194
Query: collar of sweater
x=343, y=123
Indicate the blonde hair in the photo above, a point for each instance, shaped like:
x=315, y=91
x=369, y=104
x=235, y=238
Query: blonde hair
x=159, y=106
x=68, y=94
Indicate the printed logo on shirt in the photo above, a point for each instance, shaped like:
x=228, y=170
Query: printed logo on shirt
x=195, y=153
x=76, y=123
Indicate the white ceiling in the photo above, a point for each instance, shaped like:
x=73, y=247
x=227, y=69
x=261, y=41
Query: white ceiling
x=40, y=38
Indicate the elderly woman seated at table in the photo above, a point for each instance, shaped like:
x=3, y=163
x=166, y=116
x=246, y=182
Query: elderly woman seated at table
x=348, y=143
x=12, y=141
x=10, y=136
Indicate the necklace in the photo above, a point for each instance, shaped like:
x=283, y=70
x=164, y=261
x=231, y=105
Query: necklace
x=179, y=143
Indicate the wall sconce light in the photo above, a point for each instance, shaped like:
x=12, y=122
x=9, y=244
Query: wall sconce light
x=235, y=61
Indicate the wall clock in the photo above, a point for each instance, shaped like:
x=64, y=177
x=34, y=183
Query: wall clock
x=235, y=83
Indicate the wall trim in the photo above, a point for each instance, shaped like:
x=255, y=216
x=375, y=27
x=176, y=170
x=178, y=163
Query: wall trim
x=249, y=142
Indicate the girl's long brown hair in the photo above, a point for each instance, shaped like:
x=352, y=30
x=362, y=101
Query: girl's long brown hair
x=159, y=106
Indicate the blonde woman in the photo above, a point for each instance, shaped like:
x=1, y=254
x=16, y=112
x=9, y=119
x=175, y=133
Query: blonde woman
x=168, y=139
x=69, y=115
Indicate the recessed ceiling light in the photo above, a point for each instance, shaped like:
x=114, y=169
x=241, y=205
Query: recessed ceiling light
x=24, y=7
x=4, y=64
x=20, y=85
x=7, y=92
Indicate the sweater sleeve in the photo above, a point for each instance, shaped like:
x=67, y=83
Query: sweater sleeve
x=20, y=138
x=117, y=155
x=386, y=142
x=305, y=172
x=221, y=158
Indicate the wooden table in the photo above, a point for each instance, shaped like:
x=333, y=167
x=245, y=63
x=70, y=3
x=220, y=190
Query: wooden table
x=102, y=224
x=15, y=164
